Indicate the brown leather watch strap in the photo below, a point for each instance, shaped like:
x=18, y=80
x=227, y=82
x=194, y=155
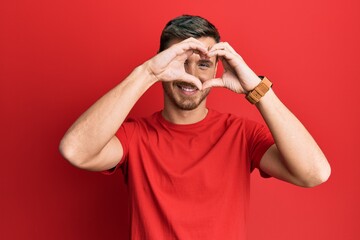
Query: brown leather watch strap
x=259, y=91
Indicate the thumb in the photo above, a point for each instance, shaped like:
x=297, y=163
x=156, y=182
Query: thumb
x=192, y=80
x=215, y=82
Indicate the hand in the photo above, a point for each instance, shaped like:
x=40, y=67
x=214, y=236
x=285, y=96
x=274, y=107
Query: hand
x=237, y=76
x=168, y=65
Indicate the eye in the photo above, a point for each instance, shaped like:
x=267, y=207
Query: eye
x=204, y=65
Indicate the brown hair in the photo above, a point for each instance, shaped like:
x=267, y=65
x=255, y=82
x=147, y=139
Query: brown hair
x=186, y=26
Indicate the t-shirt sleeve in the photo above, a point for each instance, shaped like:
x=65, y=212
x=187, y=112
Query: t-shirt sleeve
x=124, y=134
x=260, y=140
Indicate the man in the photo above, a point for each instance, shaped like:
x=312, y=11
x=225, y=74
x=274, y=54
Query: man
x=187, y=166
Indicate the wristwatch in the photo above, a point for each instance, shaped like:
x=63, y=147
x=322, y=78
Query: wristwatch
x=259, y=91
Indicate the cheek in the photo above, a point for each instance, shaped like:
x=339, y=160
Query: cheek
x=167, y=86
x=208, y=74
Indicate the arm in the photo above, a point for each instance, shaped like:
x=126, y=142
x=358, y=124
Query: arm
x=295, y=157
x=90, y=143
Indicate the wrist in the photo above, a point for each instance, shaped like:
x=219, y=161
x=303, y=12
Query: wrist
x=269, y=101
x=255, y=95
x=147, y=73
x=252, y=84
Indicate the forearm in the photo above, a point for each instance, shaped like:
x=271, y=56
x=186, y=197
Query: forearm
x=300, y=153
x=95, y=127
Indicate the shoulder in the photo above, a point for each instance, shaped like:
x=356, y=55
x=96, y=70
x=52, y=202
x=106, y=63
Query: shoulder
x=234, y=123
x=140, y=124
x=142, y=119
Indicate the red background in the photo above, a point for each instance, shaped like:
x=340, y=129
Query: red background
x=58, y=57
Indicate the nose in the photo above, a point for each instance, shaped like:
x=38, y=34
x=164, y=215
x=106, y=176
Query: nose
x=191, y=68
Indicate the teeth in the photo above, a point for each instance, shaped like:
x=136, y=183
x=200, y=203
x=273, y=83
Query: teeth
x=187, y=88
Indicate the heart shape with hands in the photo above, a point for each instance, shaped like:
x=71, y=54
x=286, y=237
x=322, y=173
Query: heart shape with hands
x=169, y=65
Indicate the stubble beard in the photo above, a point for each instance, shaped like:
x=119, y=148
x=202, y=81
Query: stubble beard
x=184, y=102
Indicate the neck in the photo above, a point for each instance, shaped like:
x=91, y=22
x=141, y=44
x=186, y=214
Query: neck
x=179, y=116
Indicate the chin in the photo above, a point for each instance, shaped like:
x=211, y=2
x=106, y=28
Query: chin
x=187, y=107
x=188, y=104
x=183, y=101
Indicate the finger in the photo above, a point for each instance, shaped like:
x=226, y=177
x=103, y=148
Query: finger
x=193, y=44
x=215, y=82
x=220, y=53
x=218, y=46
x=230, y=48
x=187, y=46
x=223, y=46
x=192, y=80
x=185, y=55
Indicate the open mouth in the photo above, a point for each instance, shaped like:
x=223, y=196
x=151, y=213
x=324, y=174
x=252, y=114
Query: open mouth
x=186, y=87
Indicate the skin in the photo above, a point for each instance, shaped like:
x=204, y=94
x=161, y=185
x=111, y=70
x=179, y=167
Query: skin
x=183, y=98
x=90, y=143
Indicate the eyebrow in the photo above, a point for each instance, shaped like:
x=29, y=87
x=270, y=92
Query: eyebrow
x=205, y=61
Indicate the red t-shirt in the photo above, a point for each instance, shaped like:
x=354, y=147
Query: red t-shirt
x=190, y=181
